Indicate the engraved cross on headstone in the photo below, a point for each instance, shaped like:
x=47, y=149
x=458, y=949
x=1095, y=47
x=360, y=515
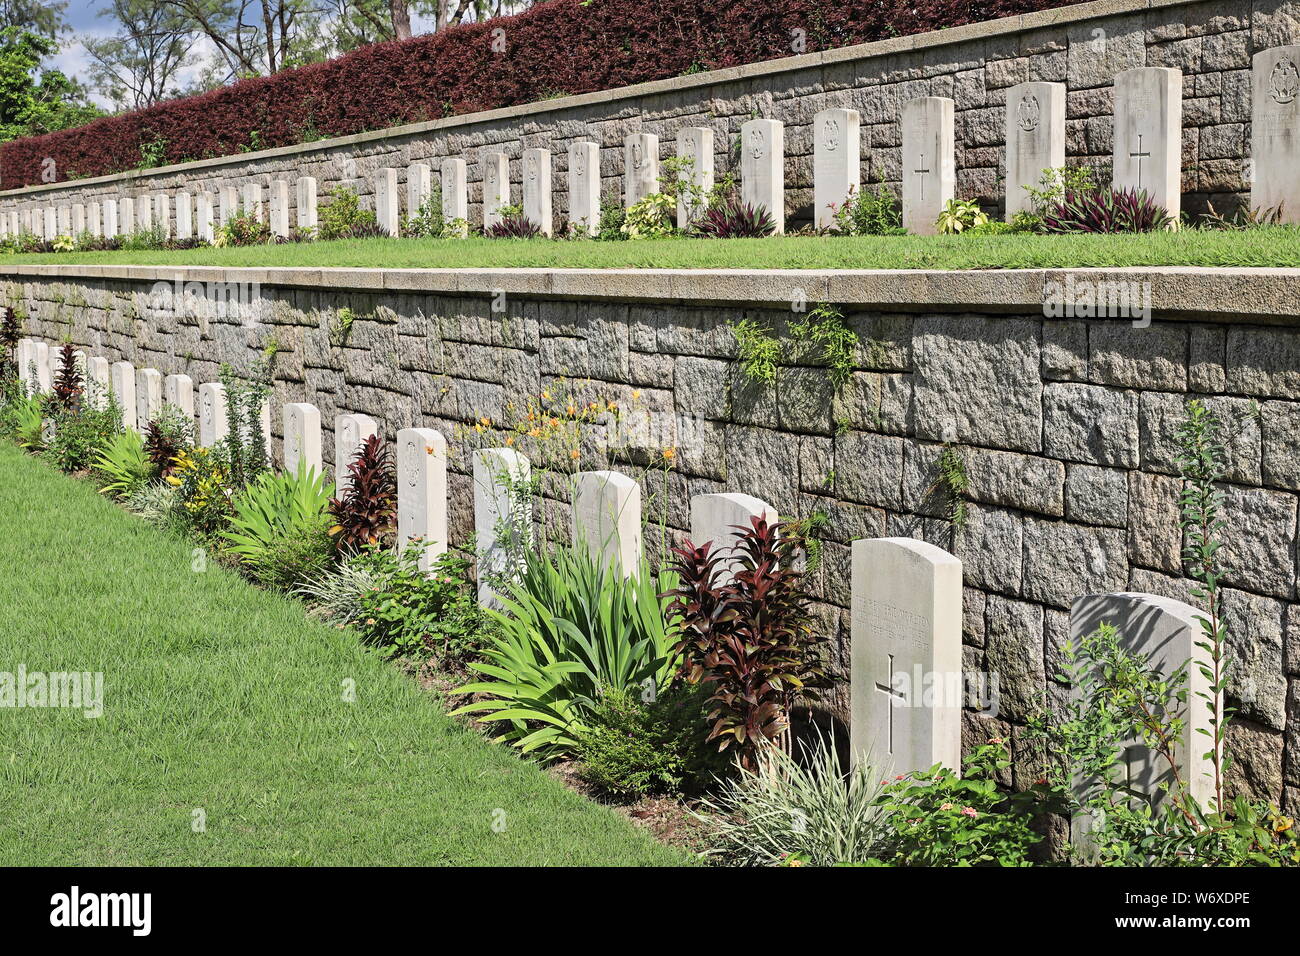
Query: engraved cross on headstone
x=896, y=699
x=1139, y=155
x=922, y=173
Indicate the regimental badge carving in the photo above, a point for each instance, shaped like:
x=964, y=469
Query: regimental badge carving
x=532, y=169
x=757, y=143
x=411, y=452
x=580, y=161
x=831, y=134
x=1284, y=82
x=638, y=155
x=688, y=147
x=1029, y=113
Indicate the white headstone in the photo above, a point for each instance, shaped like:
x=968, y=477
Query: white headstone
x=162, y=213
x=306, y=197
x=205, y=221
x=537, y=188
x=762, y=167
x=1035, y=135
x=607, y=518
x=422, y=491
x=280, y=208
x=350, y=433
x=98, y=380
x=455, y=191
x=714, y=518
x=1149, y=134
x=695, y=148
x=929, y=167
x=184, y=215
x=94, y=218
x=63, y=222
x=302, y=438
x=496, y=187
x=1167, y=633
x=24, y=359
x=229, y=197
x=253, y=201
x=1275, y=131
x=148, y=396
x=836, y=162
x=213, y=426
x=503, y=516
x=386, y=201
x=906, y=671
x=178, y=390
x=419, y=187
x=112, y=222
x=50, y=374
x=78, y=218
x=584, y=187
x=144, y=213
x=640, y=167
x=123, y=380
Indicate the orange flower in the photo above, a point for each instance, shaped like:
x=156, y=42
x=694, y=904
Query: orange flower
x=428, y=449
x=670, y=454
x=574, y=453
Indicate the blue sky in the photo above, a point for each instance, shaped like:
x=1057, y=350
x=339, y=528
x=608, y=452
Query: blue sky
x=83, y=16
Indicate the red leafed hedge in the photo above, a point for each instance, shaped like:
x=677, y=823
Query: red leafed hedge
x=556, y=48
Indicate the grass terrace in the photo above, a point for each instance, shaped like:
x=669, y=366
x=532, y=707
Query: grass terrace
x=1276, y=246
x=222, y=698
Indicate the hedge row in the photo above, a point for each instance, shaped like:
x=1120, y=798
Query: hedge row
x=557, y=48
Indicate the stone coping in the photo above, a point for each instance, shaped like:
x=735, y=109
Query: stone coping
x=1270, y=295
x=986, y=29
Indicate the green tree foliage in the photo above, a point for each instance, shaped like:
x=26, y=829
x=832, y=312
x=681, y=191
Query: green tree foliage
x=34, y=100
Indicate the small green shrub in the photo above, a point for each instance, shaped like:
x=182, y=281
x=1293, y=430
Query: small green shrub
x=81, y=434
x=243, y=229
x=938, y=818
x=651, y=217
x=759, y=351
x=343, y=218
x=634, y=748
x=612, y=217
x=869, y=212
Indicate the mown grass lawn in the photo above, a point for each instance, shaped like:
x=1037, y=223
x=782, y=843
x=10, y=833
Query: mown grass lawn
x=224, y=698
x=1273, y=246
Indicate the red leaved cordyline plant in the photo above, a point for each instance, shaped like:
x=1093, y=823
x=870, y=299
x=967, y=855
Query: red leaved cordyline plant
x=732, y=219
x=749, y=634
x=68, y=385
x=367, y=512
x=1105, y=210
x=161, y=445
x=11, y=331
x=514, y=226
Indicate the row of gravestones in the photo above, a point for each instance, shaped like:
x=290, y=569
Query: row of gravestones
x=908, y=688
x=1147, y=151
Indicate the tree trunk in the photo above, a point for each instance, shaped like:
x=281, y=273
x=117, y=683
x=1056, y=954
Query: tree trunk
x=401, y=15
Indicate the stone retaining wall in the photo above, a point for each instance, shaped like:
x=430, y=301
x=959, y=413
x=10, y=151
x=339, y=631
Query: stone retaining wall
x=1066, y=427
x=1083, y=46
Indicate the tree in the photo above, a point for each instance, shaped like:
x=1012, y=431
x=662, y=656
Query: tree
x=32, y=100
x=254, y=37
x=139, y=65
x=43, y=17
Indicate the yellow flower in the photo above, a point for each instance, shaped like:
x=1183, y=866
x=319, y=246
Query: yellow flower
x=670, y=454
x=1283, y=824
x=574, y=453
x=636, y=393
x=510, y=440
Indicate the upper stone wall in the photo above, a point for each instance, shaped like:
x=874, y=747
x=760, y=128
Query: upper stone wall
x=1083, y=46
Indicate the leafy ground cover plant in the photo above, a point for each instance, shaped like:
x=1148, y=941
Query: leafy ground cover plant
x=1106, y=210
x=939, y=818
x=81, y=434
x=748, y=634
x=203, y=490
x=960, y=215
x=366, y=514
x=571, y=629
x=635, y=747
